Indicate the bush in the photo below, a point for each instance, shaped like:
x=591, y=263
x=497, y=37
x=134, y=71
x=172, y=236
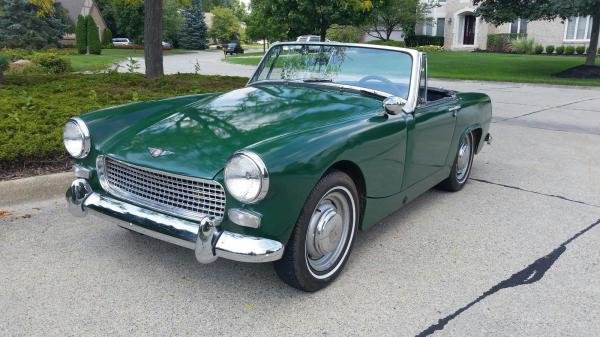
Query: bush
x=523, y=46
x=51, y=63
x=107, y=38
x=560, y=50
x=580, y=50
x=341, y=33
x=93, y=36
x=3, y=67
x=81, y=35
x=430, y=49
x=501, y=43
x=569, y=50
x=391, y=43
x=424, y=40
x=15, y=54
x=549, y=49
x=538, y=49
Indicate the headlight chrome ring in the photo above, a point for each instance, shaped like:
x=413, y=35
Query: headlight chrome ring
x=231, y=175
x=84, y=135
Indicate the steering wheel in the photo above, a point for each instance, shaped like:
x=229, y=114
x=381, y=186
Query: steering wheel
x=381, y=79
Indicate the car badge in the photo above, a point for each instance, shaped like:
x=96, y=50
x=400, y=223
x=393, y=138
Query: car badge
x=156, y=152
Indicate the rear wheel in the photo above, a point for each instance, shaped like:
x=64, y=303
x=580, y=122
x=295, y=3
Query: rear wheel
x=461, y=169
x=323, y=236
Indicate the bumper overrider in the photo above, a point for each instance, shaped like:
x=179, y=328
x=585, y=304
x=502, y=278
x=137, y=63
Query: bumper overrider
x=205, y=237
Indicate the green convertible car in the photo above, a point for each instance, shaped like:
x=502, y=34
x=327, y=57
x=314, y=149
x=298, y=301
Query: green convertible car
x=325, y=139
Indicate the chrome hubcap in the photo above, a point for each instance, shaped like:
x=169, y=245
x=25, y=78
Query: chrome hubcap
x=464, y=159
x=328, y=229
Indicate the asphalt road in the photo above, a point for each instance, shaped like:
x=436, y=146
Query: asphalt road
x=515, y=253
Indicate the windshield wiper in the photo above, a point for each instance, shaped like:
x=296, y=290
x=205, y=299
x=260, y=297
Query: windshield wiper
x=317, y=80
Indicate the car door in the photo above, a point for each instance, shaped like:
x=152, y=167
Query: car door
x=430, y=135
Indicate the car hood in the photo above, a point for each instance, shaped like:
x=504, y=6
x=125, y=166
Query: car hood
x=199, y=137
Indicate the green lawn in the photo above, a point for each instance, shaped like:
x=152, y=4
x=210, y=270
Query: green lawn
x=486, y=67
x=34, y=108
x=107, y=58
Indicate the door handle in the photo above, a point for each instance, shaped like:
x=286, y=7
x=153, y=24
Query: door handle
x=454, y=109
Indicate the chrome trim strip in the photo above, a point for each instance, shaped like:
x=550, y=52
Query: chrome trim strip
x=161, y=207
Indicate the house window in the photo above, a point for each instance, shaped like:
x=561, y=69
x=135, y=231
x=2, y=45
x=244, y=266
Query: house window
x=439, y=27
x=429, y=28
x=578, y=28
x=519, y=26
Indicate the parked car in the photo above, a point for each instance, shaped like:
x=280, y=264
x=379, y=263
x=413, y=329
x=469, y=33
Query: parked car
x=121, y=41
x=233, y=48
x=166, y=45
x=318, y=145
x=308, y=38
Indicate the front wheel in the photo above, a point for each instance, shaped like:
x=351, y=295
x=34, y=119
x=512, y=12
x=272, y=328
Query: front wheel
x=323, y=236
x=461, y=169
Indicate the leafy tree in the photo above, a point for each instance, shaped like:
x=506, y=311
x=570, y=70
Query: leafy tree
x=262, y=26
x=340, y=33
x=106, y=38
x=389, y=15
x=316, y=16
x=93, y=36
x=504, y=11
x=81, y=35
x=173, y=19
x=225, y=26
x=193, y=34
x=128, y=16
x=23, y=26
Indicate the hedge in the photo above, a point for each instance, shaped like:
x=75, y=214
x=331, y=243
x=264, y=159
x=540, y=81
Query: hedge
x=93, y=36
x=424, y=40
x=34, y=108
x=81, y=35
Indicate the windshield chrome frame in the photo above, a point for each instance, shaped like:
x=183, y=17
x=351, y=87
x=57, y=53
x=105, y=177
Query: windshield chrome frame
x=413, y=87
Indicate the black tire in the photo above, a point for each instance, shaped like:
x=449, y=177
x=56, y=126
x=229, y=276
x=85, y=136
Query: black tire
x=455, y=181
x=294, y=268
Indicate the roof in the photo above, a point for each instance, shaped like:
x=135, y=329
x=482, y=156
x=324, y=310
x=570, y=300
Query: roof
x=75, y=7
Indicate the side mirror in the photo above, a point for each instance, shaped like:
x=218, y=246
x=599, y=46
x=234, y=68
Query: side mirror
x=394, y=105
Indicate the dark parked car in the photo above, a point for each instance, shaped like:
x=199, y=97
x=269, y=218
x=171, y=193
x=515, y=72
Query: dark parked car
x=233, y=48
x=326, y=139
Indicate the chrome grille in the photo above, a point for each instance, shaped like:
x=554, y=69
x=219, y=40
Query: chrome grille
x=191, y=198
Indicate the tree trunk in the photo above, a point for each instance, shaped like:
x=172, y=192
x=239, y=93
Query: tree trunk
x=153, y=10
x=323, y=33
x=593, y=48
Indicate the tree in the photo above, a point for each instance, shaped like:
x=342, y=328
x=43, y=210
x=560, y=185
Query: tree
x=106, y=38
x=173, y=19
x=23, y=26
x=153, y=56
x=93, y=36
x=81, y=35
x=340, y=33
x=389, y=15
x=504, y=11
x=261, y=26
x=193, y=34
x=3, y=67
x=316, y=16
x=225, y=26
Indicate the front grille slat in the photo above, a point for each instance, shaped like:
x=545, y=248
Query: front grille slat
x=191, y=198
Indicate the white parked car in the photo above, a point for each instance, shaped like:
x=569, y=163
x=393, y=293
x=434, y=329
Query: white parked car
x=309, y=38
x=121, y=41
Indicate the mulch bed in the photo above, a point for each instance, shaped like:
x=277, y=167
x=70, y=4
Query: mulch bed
x=29, y=169
x=582, y=71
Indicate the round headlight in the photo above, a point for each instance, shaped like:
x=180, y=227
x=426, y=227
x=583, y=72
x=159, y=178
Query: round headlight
x=76, y=138
x=246, y=177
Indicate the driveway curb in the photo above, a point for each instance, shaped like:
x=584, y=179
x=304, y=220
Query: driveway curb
x=34, y=188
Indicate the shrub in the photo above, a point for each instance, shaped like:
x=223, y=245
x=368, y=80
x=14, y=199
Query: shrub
x=3, y=67
x=523, y=46
x=560, y=50
x=81, y=35
x=423, y=40
x=549, y=49
x=501, y=43
x=25, y=67
x=569, y=50
x=341, y=33
x=51, y=63
x=93, y=36
x=430, y=49
x=538, y=49
x=391, y=43
x=107, y=38
x=15, y=54
x=580, y=50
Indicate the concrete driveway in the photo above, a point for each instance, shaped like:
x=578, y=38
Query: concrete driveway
x=515, y=253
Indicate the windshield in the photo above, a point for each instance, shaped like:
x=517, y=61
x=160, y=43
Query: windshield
x=378, y=69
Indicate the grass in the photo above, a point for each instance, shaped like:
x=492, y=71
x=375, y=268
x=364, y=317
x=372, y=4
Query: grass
x=486, y=67
x=107, y=58
x=34, y=108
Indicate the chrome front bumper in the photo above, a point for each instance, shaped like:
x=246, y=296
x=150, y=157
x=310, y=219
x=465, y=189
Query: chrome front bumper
x=207, y=240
